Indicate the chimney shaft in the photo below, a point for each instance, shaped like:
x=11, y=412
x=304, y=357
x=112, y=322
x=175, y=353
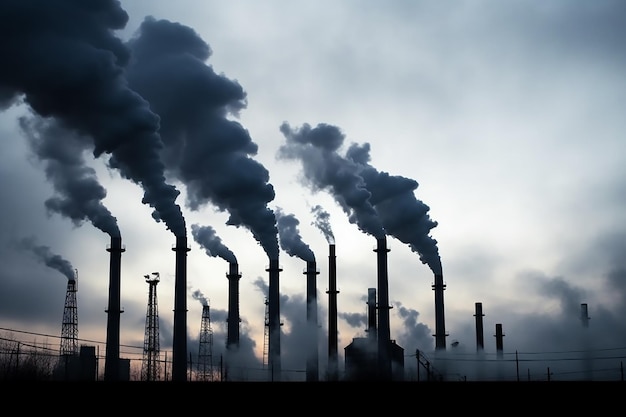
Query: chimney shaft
x=333, y=357
x=440, y=326
x=371, y=314
x=179, y=345
x=499, y=340
x=584, y=315
x=274, y=320
x=312, y=363
x=112, y=362
x=232, y=340
x=480, y=344
x=384, y=334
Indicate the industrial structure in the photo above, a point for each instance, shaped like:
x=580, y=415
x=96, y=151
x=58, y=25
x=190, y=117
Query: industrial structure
x=333, y=355
x=480, y=342
x=112, y=365
x=376, y=357
x=233, y=320
x=205, y=347
x=440, y=322
x=312, y=355
x=274, y=360
x=151, y=363
x=179, y=344
x=69, y=327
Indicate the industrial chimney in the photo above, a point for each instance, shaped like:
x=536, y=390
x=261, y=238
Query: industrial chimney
x=112, y=362
x=499, y=341
x=333, y=357
x=312, y=362
x=179, y=345
x=584, y=315
x=372, y=327
x=440, y=326
x=384, y=335
x=480, y=343
x=274, y=320
x=233, y=320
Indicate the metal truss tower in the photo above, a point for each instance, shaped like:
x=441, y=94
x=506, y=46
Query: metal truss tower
x=205, y=350
x=150, y=366
x=69, y=328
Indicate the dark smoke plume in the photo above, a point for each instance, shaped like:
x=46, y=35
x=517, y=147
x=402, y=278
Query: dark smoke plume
x=391, y=198
x=322, y=222
x=205, y=150
x=45, y=255
x=64, y=62
x=325, y=170
x=289, y=236
x=79, y=195
x=206, y=237
x=198, y=295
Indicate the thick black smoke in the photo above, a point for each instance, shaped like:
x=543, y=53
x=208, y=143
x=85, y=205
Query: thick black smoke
x=322, y=222
x=79, y=195
x=206, y=237
x=205, y=150
x=370, y=197
x=50, y=259
x=290, y=239
x=324, y=169
x=63, y=60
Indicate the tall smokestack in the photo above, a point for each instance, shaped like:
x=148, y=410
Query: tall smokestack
x=440, y=326
x=499, y=341
x=312, y=362
x=274, y=320
x=112, y=362
x=384, y=336
x=179, y=345
x=584, y=315
x=372, y=327
x=480, y=343
x=333, y=357
x=233, y=320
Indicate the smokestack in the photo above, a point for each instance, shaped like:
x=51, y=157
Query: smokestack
x=440, y=326
x=312, y=363
x=480, y=343
x=112, y=362
x=333, y=357
x=384, y=336
x=584, y=315
x=179, y=345
x=499, y=341
x=232, y=338
x=274, y=320
x=371, y=314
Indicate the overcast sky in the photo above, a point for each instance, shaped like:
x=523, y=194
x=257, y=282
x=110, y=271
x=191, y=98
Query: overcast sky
x=500, y=122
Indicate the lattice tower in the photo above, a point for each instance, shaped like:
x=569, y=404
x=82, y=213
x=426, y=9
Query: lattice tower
x=69, y=328
x=151, y=364
x=205, y=349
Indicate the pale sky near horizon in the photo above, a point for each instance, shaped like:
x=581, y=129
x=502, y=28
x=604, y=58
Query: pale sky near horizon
x=507, y=115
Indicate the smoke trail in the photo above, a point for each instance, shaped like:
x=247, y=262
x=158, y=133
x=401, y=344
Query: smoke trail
x=67, y=64
x=322, y=222
x=203, y=149
x=403, y=215
x=206, y=237
x=45, y=255
x=289, y=236
x=391, y=197
x=197, y=295
x=79, y=194
x=325, y=170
